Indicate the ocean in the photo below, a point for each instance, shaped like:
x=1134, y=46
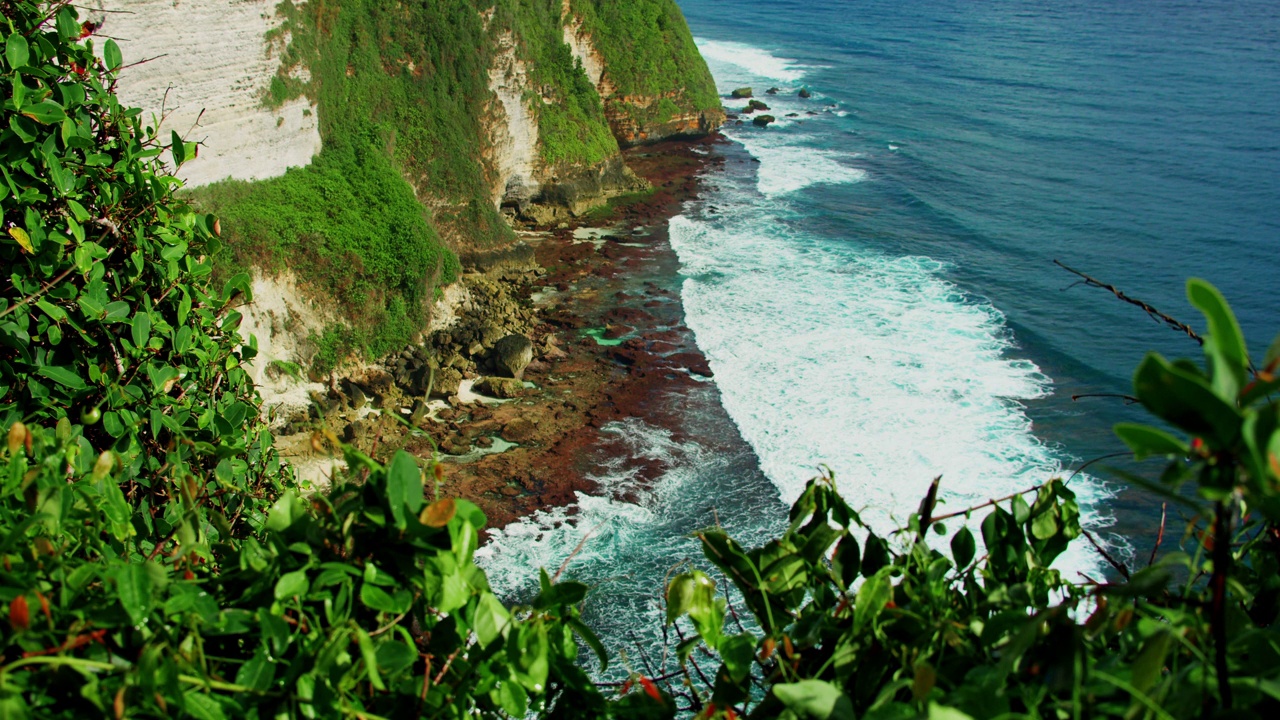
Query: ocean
x=871, y=277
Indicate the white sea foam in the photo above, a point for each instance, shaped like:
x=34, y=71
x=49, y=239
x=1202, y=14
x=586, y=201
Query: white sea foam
x=755, y=61
x=786, y=165
x=547, y=538
x=873, y=365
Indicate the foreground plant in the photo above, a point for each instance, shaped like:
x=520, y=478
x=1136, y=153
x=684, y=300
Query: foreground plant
x=845, y=628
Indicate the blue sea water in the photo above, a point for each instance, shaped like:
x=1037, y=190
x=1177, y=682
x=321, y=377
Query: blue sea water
x=872, y=279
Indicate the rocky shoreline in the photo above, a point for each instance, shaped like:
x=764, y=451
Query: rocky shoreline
x=591, y=311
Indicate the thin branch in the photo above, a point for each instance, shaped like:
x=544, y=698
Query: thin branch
x=1164, y=513
x=1146, y=307
x=581, y=544
x=142, y=62
x=1119, y=566
x=47, y=287
x=1128, y=399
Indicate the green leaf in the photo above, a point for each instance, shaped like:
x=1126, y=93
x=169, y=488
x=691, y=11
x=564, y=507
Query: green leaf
x=287, y=510
x=872, y=598
x=1184, y=399
x=1149, y=663
x=395, y=657
x=204, y=707
x=738, y=652
x=111, y=55
x=679, y=596
x=404, y=488
x=63, y=376
x=1146, y=441
x=257, y=673
x=141, y=328
x=1224, y=343
x=942, y=712
x=814, y=699
x=513, y=698
x=589, y=637
x=133, y=588
x=378, y=599
x=178, y=149
x=370, y=657
x=292, y=584
x=45, y=112
x=847, y=560
x=16, y=51
x=963, y=547
x=490, y=619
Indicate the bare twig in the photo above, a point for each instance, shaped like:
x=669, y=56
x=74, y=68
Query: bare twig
x=143, y=61
x=1128, y=399
x=1164, y=513
x=1147, y=308
x=1119, y=566
x=1218, y=620
x=581, y=544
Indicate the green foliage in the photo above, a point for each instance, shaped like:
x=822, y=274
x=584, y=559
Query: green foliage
x=380, y=267
x=572, y=129
x=848, y=625
x=648, y=48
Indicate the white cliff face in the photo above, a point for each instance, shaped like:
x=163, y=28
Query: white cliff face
x=211, y=71
x=579, y=42
x=514, y=135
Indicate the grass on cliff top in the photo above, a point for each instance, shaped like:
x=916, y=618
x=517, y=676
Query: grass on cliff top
x=648, y=48
x=402, y=92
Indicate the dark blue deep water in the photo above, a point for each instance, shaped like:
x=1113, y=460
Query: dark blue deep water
x=871, y=276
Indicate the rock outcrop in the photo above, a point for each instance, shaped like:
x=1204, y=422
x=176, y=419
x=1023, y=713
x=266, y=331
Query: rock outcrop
x=208, y=69
x=511, y=355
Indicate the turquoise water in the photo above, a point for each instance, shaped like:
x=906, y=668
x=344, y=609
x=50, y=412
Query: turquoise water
x=873, y=283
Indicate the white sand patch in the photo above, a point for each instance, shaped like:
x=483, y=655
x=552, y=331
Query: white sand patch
x=216, y=61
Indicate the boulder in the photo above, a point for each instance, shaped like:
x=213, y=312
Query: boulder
x=741, y=93
x=755, y=105
x=448, y=380
x=518, y=430
x=763, y=120
x=804, y=93
x=773, y=91
x=511, y=355
x=504, y=388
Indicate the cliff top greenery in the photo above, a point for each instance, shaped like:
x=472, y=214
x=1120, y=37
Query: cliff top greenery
x=159, y=562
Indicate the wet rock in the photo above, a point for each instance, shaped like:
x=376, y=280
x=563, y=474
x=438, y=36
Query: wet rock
x=741, y=93
x=484, y=441
x=511, y=355
x=804, y=93
x=773, y=91
x=763, y=120
x=448, y=380
x=518, y=430
x=613, y=332
x=755, y=105
x=504, y=388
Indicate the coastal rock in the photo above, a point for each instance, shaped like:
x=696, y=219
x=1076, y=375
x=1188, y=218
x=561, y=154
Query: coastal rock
x=504, y=388
x=763, y=120
x=518, y=430
x=448, y=380
x=773, y=91
x=755, y=105
x=511, y=355
x=804, y=93
x=741, y=93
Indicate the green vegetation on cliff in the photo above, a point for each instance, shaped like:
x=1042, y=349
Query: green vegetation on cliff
x=649, y=52
x=402, y=91
x=159, y=562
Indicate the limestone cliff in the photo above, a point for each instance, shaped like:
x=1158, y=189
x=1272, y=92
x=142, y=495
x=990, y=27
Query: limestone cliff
x=354, y=146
